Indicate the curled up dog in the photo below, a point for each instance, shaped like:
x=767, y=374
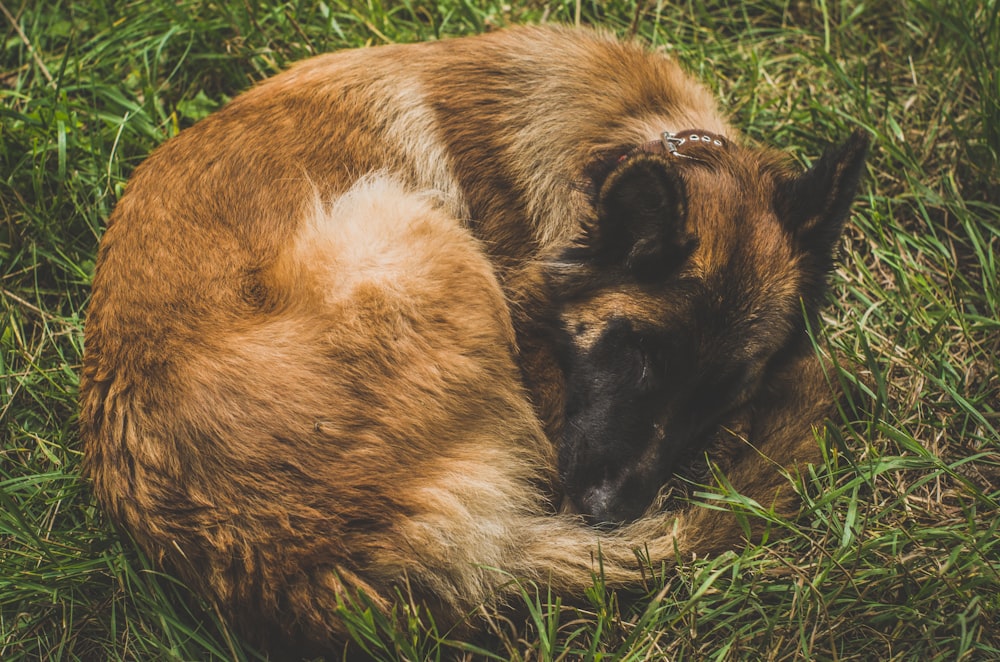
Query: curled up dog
x=377, y=319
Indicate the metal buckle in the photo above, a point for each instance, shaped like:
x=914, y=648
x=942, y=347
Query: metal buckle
x=671, y=142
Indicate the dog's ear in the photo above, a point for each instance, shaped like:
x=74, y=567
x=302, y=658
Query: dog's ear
x=815, y=205
x=642, y=218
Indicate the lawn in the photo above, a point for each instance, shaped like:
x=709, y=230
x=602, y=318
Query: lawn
x=896, y=554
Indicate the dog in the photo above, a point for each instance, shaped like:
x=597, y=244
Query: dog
x=402, y=316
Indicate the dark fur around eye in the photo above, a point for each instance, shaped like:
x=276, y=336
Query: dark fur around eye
x=632, y=359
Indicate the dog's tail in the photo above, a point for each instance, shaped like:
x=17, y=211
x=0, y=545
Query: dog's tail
x=482, y=538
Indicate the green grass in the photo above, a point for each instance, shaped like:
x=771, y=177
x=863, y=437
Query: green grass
x=897, y=554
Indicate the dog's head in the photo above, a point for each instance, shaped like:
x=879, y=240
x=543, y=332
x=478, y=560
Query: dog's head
x=687, y=286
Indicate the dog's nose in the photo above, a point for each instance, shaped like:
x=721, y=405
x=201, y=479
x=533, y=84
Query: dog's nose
x=596, y=503
x=605, y=505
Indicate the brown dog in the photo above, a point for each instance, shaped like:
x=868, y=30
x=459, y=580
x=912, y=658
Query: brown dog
x=332, y=323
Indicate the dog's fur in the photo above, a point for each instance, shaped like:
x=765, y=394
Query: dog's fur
x=331, y=326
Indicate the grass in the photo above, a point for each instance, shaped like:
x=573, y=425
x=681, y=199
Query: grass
x=897, y=554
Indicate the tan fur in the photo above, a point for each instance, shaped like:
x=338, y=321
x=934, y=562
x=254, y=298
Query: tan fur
x=311, y=318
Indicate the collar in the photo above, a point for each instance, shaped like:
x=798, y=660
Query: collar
x=681, y=144
x=675, y=142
